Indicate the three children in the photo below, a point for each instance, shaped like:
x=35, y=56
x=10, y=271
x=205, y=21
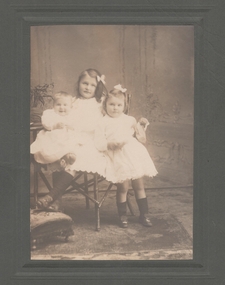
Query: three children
x=95, y=143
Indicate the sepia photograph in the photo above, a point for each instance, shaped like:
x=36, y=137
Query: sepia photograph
x=111, y=142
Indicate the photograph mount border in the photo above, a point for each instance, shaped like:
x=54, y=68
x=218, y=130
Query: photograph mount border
x=27, y=16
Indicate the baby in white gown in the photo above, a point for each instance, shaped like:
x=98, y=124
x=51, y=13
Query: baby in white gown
x=58, y=137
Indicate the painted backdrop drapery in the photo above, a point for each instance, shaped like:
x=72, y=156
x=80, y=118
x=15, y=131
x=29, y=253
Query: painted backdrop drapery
x=155, y=64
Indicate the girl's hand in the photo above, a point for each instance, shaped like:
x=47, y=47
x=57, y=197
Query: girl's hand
x=115, y=145
x=111, y=145
x=143, y=122
x=120, y=144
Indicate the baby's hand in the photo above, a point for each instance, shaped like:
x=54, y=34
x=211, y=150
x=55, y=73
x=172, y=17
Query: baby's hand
x=60, y=126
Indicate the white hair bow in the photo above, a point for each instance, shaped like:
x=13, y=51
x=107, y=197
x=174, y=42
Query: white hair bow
x=102, y=78
x=119, y=87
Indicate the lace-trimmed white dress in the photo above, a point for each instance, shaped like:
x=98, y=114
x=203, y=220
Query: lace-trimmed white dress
x=132, y=161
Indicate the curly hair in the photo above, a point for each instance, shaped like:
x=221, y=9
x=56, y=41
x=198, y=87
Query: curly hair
x=116, y=93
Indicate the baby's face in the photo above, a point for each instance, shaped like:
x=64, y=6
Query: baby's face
x=63, y=105
x=87, y=87
x=115, y=106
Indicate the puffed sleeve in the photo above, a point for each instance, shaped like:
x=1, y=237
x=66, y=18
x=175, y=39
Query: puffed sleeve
x=100, y=138
x=47, y=119
x=133, y=122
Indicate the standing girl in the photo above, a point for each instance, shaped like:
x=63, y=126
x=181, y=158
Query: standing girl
x=127, y=157
x=87, y=111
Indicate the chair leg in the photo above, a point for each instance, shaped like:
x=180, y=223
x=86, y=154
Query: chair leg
x=86, y=190
x=97, y=215
x=36, y=168
x=97, y=209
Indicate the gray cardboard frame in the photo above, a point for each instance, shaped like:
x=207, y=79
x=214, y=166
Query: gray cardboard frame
x=207, y=266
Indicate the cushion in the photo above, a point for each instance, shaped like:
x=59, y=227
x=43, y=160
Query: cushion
x=45, y=225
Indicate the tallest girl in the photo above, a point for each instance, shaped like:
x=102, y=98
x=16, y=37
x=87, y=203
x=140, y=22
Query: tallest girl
x=87, y=112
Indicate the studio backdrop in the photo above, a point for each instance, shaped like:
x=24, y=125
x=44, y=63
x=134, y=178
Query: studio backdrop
x=154, y=63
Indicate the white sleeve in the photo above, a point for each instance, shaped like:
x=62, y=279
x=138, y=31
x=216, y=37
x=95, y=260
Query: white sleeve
x=48, y=119
x=133, y=122
x=100, y=138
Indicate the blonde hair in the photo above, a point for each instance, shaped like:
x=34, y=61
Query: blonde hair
x=61, y=94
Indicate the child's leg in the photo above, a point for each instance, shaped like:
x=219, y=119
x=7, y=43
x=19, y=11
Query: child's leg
x=122, y=189
x=139, y=189
x=140, y=195
x=121, y=201
x=63, y=181
x=56, y=206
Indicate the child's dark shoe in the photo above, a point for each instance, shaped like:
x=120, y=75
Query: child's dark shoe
x=145, y=221
x=123, y=221
x=44, y=202
x=67, y=160
x=56, y=206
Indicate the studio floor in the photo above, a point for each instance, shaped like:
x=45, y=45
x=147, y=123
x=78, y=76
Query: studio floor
x=169, y=238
